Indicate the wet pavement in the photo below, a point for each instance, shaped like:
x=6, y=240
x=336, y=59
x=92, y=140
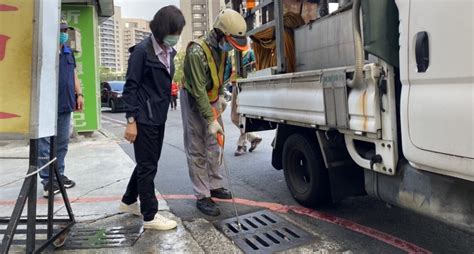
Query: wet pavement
x=101, y=165
x=101, y=170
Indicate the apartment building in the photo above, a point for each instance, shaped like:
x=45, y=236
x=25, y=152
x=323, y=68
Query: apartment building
x=110, y=36
x=134, y=31
x=199, y=15
x=116, y=36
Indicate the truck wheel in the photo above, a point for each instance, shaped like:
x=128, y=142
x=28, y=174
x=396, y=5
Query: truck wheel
x=305, y=173
x=113, y=106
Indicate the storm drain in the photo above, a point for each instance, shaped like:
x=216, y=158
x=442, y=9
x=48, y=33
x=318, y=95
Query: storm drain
x=263, y=232
x=93, y=238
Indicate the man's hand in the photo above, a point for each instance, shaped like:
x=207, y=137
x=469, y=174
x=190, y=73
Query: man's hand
x=80, y=103
x=215, y=127
x=222, y=102
x=131, y=132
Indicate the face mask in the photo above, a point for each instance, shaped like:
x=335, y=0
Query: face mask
x=225, y=46
x=63, y=37
x=170, y=40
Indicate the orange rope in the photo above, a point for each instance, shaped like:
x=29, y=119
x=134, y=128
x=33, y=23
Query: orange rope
x=264, y=44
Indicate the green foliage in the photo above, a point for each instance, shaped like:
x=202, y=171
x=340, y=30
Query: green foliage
x=106, y=74
x=179, y=64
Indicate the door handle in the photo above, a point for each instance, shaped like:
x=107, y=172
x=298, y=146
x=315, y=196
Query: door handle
x=422, y=51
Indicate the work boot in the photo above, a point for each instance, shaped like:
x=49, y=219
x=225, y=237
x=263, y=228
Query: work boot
x=254, y=144
x=240, y=150
x=221, y=193
x=208, y=207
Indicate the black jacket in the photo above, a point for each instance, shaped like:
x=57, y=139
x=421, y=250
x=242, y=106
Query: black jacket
x=147, y=90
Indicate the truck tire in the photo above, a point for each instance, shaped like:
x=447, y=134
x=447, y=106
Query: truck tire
x=113, y=106
x=305, y=173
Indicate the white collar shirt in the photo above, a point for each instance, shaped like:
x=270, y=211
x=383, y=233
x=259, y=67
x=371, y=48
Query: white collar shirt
x=163, y=55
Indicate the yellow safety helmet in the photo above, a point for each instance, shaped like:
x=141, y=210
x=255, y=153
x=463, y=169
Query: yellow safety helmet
x=234, y=27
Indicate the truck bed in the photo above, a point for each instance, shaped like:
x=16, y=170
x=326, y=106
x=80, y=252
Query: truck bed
x=311, y=99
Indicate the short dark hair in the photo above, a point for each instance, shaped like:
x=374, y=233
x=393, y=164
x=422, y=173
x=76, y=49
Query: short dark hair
x=167, y=20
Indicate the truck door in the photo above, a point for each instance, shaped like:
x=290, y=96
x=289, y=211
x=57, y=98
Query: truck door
x=438, y=101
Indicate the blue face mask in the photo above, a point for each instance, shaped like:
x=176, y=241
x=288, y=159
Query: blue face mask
x=63, y=37
x=171, y=40
x=225, y=46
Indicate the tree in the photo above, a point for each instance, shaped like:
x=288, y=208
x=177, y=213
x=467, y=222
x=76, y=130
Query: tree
x=179, y=64
x=106, y=74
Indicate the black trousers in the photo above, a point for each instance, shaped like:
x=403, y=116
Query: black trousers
x=174, y=102
x=147, y=147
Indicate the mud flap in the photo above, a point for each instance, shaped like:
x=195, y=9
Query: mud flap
x=346, y=178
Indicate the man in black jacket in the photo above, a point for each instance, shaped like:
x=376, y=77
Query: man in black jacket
x=147, y=94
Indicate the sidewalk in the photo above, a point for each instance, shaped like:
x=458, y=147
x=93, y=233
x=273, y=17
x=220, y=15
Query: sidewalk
x=101, y=170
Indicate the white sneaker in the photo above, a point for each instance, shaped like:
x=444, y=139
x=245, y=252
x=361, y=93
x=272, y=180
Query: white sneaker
x=132, y=209
x=160, y=223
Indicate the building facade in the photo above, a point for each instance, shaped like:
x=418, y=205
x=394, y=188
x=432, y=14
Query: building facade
x=134, y=31
x=110, y=46
x=199, y=15
x=116, y=36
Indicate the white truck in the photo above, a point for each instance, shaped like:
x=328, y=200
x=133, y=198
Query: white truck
x=382, y=103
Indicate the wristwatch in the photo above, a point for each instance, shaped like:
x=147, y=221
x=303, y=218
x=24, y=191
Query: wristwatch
x=130, y=119
x=80, y=94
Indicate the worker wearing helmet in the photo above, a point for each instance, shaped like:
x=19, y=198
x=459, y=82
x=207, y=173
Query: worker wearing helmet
x=203, y=92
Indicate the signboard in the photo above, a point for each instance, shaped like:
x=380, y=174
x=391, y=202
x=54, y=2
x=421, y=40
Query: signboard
x=16, y=45
x=84, y=20
x=28, y=67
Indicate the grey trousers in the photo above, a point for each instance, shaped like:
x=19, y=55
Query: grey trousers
x=201, y=148
x=244, y=137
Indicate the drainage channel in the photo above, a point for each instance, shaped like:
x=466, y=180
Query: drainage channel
x=111, y=237
x=263, y=232
x=19, y=238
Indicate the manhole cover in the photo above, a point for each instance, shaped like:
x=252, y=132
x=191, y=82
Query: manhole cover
x=263, y=232
x=92, y=238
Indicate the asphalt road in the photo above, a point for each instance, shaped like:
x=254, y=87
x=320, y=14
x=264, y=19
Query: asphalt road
x=254, y=179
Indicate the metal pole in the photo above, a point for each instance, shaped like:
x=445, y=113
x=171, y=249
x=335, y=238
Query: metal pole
x=237, y=54
x=279, y=36
x=16, y=215
x=31, y=219
x=64, y=194
x=52, y=168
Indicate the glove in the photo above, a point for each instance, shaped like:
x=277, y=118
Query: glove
x=214, y=128
x=222, y=102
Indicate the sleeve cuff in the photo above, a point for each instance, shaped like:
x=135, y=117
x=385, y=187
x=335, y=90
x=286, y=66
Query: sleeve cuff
x=130, y=114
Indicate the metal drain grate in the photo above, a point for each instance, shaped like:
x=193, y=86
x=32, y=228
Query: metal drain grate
x=92, y=238
x=264, y=232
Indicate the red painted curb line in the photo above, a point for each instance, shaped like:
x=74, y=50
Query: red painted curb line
x=345, y=223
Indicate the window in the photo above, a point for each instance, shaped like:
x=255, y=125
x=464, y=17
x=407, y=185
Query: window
x=198, y=33
x=197, y=24
x=197, y=7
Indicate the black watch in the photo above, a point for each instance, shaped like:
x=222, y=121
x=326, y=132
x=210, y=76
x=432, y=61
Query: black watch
x=80, y=94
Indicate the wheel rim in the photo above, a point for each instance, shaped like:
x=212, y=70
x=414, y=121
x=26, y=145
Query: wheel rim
x=299, y=172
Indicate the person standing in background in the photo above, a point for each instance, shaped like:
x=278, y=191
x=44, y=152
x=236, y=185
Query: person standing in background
x=174, y=96
x=248, y=63
x=70, y=98
x=147, y=94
